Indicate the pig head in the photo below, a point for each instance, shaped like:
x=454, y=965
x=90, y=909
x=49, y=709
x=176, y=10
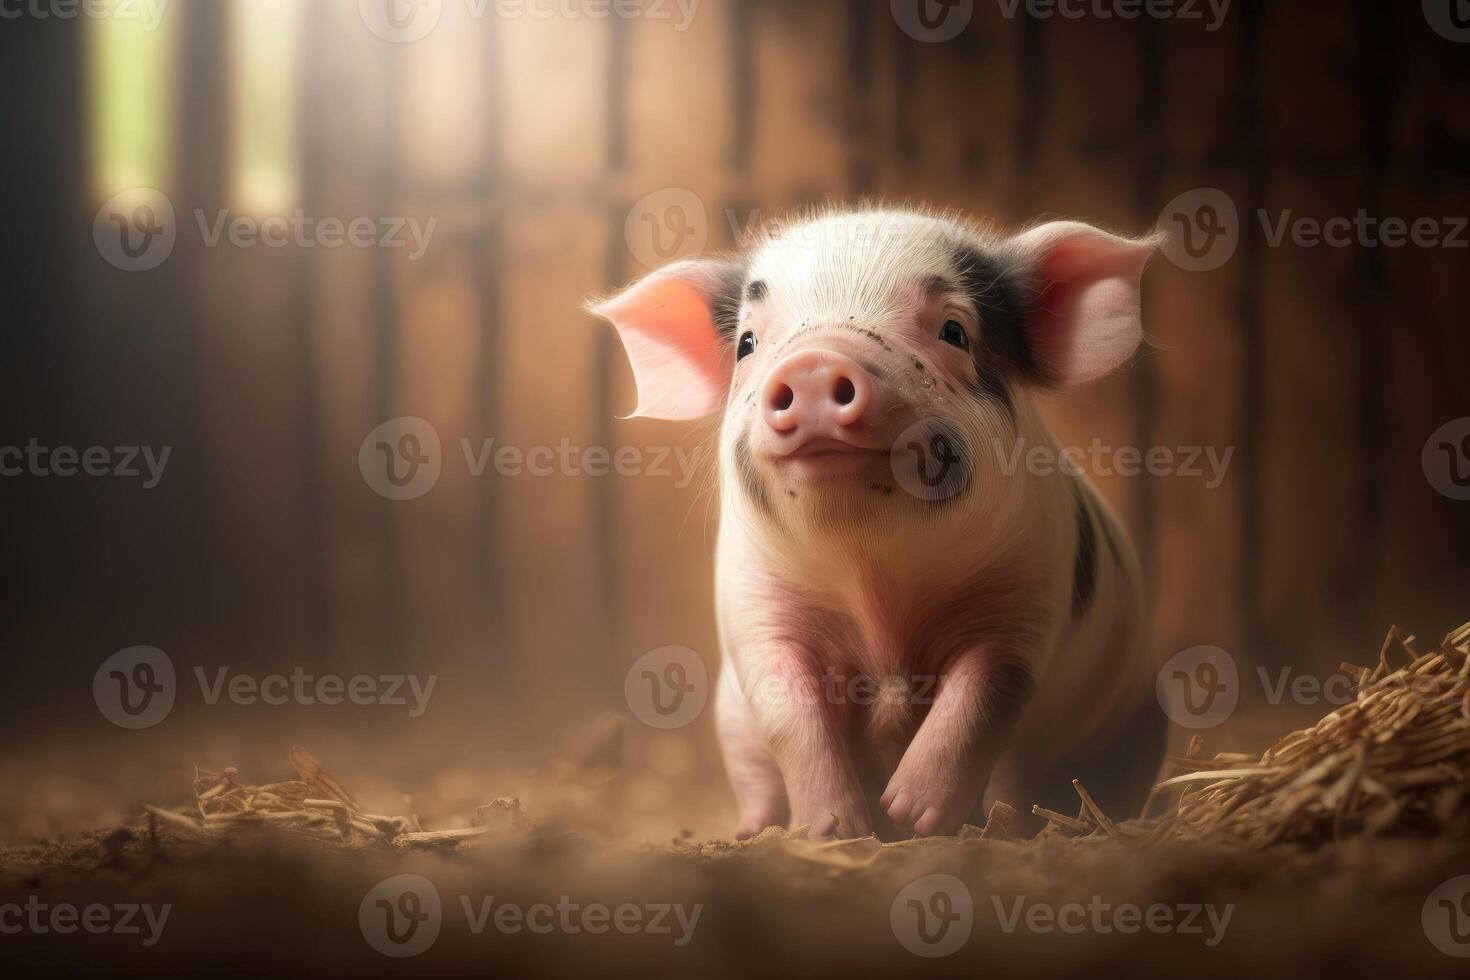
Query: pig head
x=912, y=619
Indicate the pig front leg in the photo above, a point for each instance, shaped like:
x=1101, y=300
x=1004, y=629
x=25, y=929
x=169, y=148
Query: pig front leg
x=803, y=727
x=755, y=778
x=941, y=775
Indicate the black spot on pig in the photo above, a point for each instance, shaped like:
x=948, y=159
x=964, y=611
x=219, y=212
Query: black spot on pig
x=1004, y=355
x=755, y=291
x=725, y=299
x=1084, y=565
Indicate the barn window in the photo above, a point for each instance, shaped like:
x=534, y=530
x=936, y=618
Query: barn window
x=265, y=49
x=131, y=71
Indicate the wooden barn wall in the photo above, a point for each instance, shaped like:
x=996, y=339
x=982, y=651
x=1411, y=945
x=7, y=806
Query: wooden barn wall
x=529, y=141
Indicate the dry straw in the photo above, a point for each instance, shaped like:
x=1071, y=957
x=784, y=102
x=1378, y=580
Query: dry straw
x=1396, y=760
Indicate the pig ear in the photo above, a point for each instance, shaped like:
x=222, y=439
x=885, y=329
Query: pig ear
x=669, y=322
x=1084, y=319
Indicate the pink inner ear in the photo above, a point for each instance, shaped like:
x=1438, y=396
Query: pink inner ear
x=681, y=369
x=1089, y=322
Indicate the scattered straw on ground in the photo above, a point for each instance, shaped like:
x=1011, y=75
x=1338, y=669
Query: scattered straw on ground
x=1395, y=761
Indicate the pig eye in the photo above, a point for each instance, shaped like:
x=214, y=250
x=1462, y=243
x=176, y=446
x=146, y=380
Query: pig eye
x=746, y=345
x=953, y=333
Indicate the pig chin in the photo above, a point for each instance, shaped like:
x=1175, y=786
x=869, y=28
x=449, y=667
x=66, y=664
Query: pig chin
x=826, y=481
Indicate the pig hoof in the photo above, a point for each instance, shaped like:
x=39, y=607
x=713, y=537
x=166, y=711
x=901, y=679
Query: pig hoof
x=924, y=814
x=833, y=823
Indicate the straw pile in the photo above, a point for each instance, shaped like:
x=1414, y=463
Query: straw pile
x=1396, y=760
x=315, y=805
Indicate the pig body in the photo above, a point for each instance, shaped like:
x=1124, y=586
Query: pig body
x=912, y=619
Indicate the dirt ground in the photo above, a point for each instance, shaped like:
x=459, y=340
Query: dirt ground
x=263, y=900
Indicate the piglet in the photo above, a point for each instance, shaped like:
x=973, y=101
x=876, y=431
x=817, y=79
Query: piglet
x=913, y=620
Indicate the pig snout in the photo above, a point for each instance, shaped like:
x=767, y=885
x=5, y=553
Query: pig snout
x=816, y=394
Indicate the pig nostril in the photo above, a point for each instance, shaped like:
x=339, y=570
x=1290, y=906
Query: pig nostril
x=844, y=392
x=783, y=398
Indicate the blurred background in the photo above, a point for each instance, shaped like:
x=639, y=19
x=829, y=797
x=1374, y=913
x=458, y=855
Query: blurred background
x=546, y=152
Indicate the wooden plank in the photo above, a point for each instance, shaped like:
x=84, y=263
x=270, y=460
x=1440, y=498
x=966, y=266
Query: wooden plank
x=798, y=102
x=553, y=75
x=1311, y=458
x=935, y=141
x=1196, y=351
x=1417, y=557
x=443, y=83
x=348, y=145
